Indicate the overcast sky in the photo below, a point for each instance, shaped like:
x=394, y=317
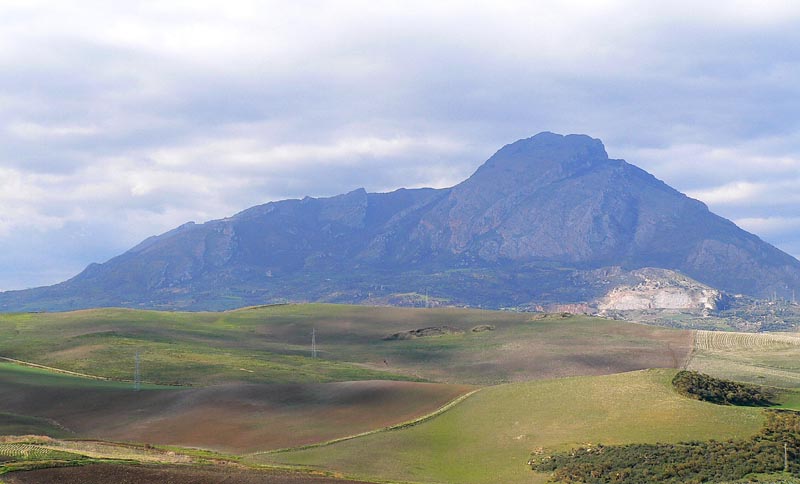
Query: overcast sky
x=120, y=120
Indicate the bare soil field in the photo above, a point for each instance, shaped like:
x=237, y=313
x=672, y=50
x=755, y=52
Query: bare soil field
x=234, y=418
x=137, y=474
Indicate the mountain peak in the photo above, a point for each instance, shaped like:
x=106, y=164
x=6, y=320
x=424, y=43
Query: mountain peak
x=545, y=156
x=531, y=226
x=558, y=147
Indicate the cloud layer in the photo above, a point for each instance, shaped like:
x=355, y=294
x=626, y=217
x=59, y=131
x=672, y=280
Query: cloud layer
x=121, y=120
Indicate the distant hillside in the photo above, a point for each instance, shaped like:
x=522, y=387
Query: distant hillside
x=539, y=223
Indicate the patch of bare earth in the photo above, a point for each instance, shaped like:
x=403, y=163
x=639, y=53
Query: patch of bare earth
x=553, y=349
x=616, y=350
x=234, y=418
x=139, y=474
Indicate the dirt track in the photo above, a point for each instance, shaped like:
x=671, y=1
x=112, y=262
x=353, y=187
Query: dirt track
x=130, y=474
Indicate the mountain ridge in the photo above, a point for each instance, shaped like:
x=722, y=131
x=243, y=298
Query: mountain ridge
x=524, y=228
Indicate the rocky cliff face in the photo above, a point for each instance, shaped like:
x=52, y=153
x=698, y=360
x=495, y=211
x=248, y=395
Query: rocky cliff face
x=660, y=289
x=544, y=221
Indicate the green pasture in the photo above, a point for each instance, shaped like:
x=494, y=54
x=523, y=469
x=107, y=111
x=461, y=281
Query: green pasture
x=273, y=344
x=178, y=348
x=488, y=438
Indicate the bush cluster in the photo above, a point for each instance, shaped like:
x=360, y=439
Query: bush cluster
x=686, y=462
x=723, y=392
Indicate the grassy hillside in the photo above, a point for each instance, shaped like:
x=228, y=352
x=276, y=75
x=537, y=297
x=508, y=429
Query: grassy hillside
x=555, y=382
x=489, y=437
x=272, y=344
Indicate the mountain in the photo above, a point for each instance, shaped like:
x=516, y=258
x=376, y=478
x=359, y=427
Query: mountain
x=544, y=220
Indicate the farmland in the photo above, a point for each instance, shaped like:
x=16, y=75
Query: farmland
x=256, y=416
x=762, y=358
x=264, y=399
x=130, y=474
x=721, y=341
x=12, y=424
x=272, y=345
x=267, y=409
x=43, y=460
x=489, y=437
x=10, y=452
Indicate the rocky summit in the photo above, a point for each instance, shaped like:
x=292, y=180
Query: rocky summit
x=544, y=221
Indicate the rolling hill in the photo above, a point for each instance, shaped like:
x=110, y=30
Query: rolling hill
x=272, y=344
x=500, y=386
x=489, y=437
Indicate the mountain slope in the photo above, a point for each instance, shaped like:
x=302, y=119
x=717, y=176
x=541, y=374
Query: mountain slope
x=532, y=224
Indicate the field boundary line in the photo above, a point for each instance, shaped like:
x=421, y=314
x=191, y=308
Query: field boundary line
x=402, y=425
x=56, y=370
x=688, y=360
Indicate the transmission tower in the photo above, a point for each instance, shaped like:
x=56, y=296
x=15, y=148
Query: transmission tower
x=137, y=374
x=314, y=343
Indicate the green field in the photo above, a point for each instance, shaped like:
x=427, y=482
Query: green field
x=489, y=437
x=272, y=345
x=175, y=348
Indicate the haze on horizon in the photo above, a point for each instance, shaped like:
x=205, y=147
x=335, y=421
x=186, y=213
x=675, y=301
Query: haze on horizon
x=121, y=121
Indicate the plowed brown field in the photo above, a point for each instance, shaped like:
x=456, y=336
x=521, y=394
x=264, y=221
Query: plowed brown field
x=130, y=474
x=236, y=418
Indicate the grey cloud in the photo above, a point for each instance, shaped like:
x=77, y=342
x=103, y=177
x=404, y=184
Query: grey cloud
x=704, y=96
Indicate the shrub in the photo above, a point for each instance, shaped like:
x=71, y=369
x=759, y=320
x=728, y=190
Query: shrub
x=723, y=392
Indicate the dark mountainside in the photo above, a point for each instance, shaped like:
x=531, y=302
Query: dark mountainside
x=548, y=219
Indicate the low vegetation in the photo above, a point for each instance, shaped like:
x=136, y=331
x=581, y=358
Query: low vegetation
x=723, y=392
x=774, y=449
x=423, y=333
x=25, y=452
x=25, y=455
